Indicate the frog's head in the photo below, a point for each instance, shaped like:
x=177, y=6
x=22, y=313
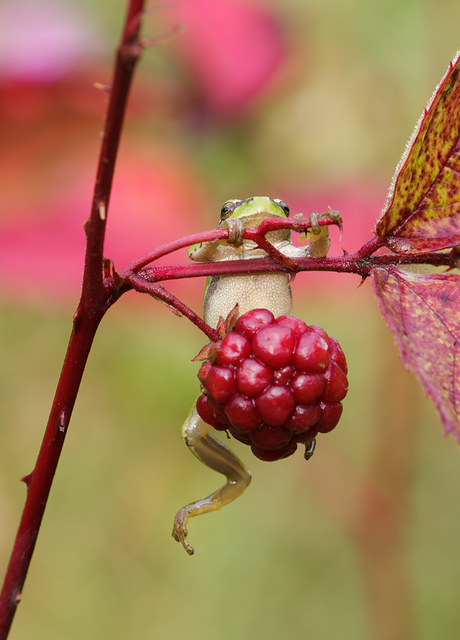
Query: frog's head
x=253, y=211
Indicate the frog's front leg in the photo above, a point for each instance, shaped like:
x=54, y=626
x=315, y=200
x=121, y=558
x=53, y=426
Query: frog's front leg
x=217, y=456
x=320, y=240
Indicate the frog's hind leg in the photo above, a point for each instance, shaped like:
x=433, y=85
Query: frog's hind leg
x=217, y=456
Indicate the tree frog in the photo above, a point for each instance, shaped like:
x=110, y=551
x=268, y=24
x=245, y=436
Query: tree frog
x=251, y=291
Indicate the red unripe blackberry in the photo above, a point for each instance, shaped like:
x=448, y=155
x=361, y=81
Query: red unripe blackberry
x=313, y=328
x=270, y=438
x=204, y=370
x=217, y=412
x=234, y=348
x=203, y=410
x=209, y=411
x=308, y=387
x=252, y=321
x=305, y=437
x=274, y=346
x=311, y=354
x=268, y=455
x=296, y=325
x=336, y=384
x=303, y=418
x=273, y=384
x=220, y=383
x=242, y=413
x=243, y=437
x=275, y=405
x=338, y=355
x=252, y=377
x=284, y=375
x=330, y=415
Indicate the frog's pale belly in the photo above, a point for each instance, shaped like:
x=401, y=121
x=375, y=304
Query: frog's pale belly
x=251, y=291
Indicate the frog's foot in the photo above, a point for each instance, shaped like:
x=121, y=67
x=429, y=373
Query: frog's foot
x=309, y=450
x=320, y=240
x=235, y=232
x=180, y=532
x=316, y=228
x=217, y=456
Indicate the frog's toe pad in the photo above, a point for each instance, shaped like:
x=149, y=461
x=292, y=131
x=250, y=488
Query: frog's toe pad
x=180, y=532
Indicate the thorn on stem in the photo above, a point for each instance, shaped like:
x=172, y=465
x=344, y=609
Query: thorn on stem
x=103, y=87
x=102, y=210
x=26, y=479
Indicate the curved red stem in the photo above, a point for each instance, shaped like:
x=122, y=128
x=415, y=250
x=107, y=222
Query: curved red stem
x=95, y=300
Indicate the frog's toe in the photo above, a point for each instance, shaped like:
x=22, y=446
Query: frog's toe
x=309, y=449
x=180, y=532
x=235, y=232
x=315, y=228
x=336, y=217
x=333, y=215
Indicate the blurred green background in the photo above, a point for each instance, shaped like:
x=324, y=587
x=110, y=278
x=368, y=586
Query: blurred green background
x=360, y=542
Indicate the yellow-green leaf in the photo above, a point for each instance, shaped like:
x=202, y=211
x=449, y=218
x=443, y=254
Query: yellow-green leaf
x=422, y=212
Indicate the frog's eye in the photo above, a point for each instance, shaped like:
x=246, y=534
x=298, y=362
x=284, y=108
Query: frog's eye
x=228, y=208
x=283, y=206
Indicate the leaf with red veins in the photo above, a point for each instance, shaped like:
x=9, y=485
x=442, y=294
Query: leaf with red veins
x=422, y=312
x=422, y=212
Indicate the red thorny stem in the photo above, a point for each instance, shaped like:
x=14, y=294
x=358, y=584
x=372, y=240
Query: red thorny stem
x=140, y=271
x=94, y=302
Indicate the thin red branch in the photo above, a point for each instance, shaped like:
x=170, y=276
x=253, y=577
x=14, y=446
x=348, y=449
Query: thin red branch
x=127, y=55
x=170, y=247
x=360, y=263
x=95, y=300
x=341, y=264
